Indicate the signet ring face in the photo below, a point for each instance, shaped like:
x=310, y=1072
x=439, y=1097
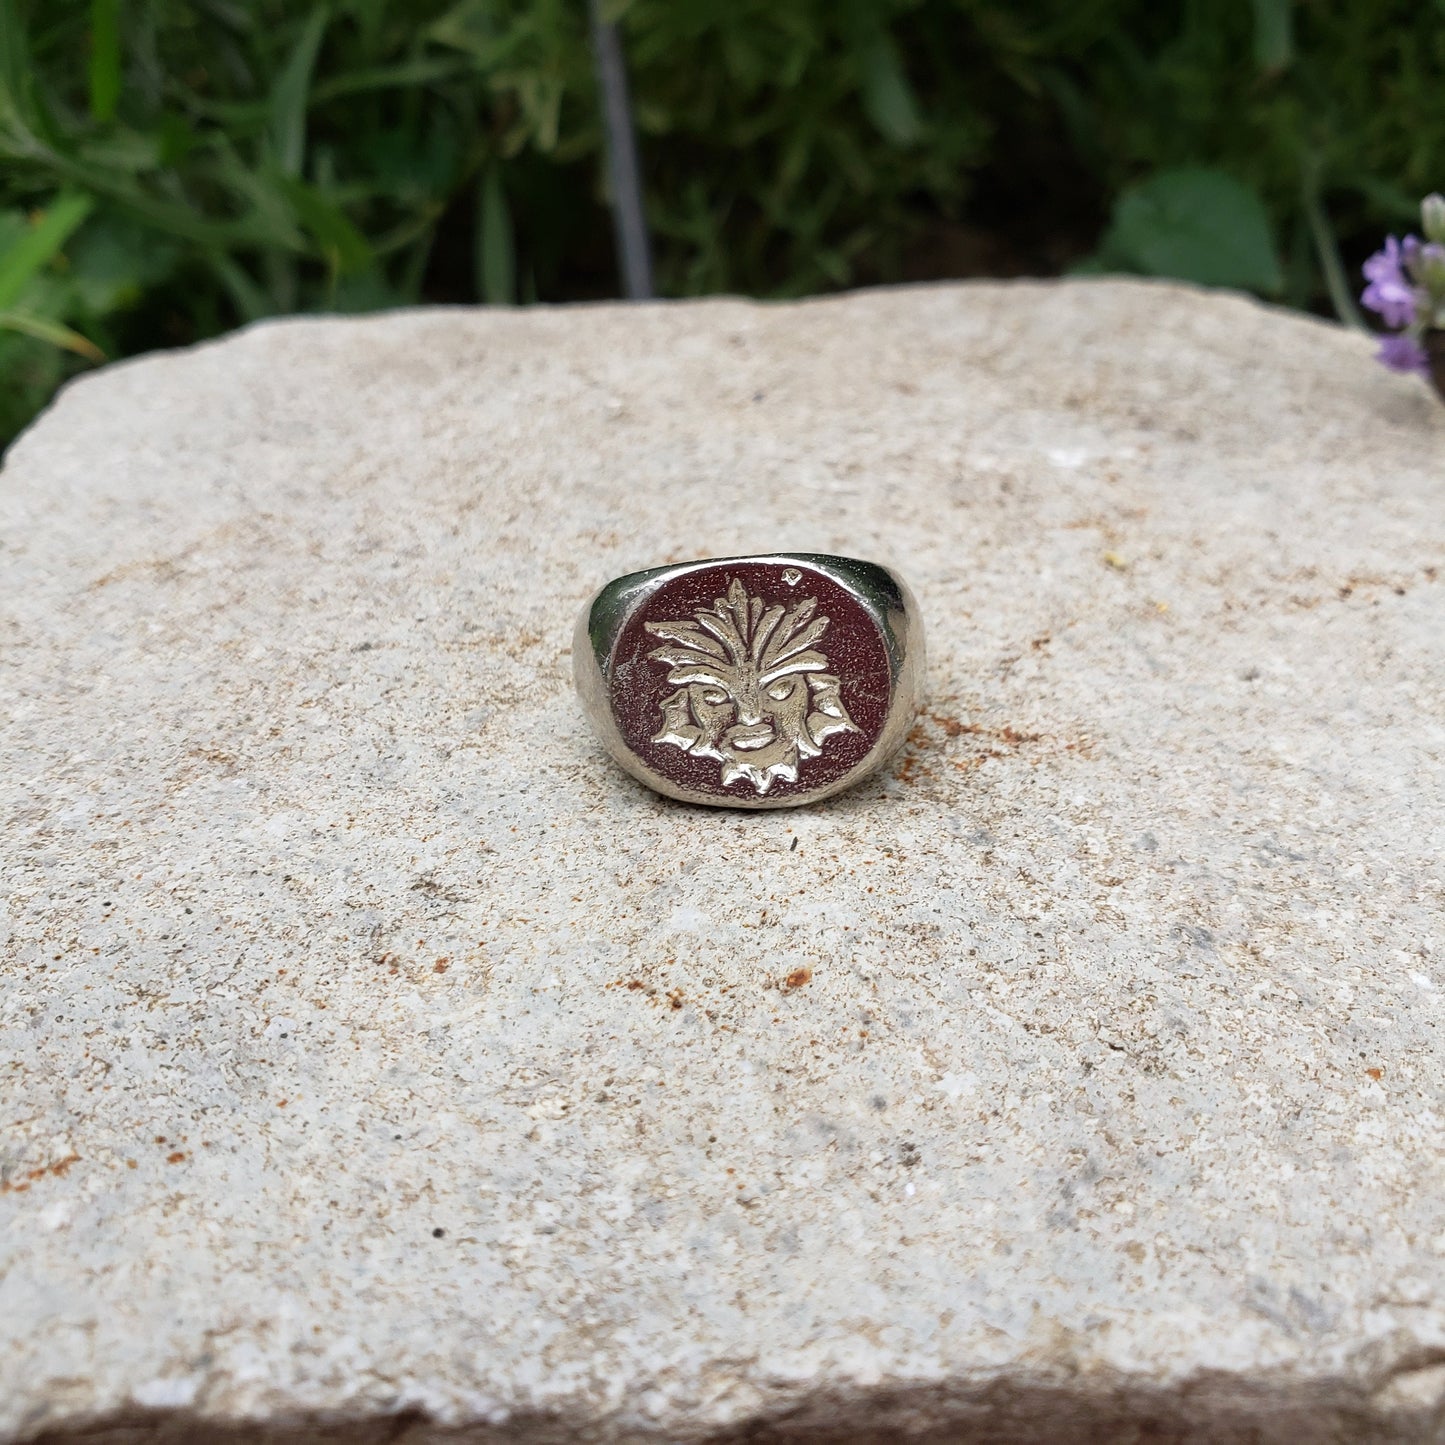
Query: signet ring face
x=751, y=682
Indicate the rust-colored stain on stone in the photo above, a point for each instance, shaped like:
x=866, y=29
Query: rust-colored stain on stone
x=57, y=1170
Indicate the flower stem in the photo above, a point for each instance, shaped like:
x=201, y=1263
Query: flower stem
x=1336, y=282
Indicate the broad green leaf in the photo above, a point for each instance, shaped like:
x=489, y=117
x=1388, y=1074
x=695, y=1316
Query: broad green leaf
x=291, y=93
x=1197, y=225
x=104, y=58
x=43, y=329
x=1273, y=34
x=496, y=255
x=40, y=242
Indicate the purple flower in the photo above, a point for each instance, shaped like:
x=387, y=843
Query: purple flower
x=1403, y=353
x=1390, y=292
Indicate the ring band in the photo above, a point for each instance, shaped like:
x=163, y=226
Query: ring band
x=751, y=682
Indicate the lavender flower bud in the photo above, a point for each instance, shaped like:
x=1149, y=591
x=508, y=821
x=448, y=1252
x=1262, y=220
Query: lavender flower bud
x=1429, y=270
x=1432, y=217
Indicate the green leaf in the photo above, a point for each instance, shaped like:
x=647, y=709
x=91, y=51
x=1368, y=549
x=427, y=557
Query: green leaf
x=174, y=141
x=1387, y=196
x=104, y=59
x=246, y=296
x=113, y=262
x=1327, y=249
x=1197, y=225
x=408, y=74
x=39, y=244
x=887, y=95
x=43, y=329
x=345, y=248
x=14, y=62
x=1273, y=34
x=496, y=253
x=124, y=152
x=289, y=95
x=468, y=26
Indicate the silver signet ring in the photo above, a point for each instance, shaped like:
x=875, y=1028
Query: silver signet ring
x=751, y=682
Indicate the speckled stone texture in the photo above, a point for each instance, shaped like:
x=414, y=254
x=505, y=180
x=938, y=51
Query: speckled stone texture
x=378, y=1062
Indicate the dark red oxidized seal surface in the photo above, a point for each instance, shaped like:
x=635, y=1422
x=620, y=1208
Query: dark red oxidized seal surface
x=751, y=679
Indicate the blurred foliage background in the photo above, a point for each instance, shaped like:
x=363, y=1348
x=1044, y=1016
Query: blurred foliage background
x=173, y=168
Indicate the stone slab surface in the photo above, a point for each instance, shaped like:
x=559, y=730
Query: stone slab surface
x=377, y=1059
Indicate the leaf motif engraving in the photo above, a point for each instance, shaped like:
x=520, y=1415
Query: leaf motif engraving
x=753, y=691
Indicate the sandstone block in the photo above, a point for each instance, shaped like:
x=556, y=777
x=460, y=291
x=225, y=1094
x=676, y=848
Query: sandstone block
x=379, y=1059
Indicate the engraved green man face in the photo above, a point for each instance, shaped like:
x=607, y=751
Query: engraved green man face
x=752, y=690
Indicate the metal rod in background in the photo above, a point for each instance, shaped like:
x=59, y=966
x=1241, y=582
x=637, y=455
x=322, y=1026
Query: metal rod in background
x=629, y=221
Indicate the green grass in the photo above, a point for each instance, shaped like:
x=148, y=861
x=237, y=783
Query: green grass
x=173, y=168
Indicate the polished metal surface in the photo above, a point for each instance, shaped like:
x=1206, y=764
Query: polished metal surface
x=751, y=682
